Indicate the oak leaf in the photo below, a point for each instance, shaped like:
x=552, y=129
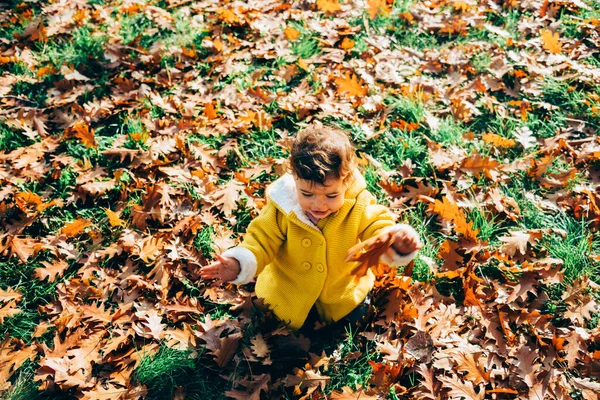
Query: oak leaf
x=259, y=383
x=259, y=347
x=51, y=270
x=459, y=389
x=351, y=85
x=497, y=140
x=9, y=310
x=113, y=218
x=376, y=7
x=10, y=294
x=449, y=211
x=478, y=165
x=367, y=253
x=329, y=6
x=75, y=227
x=150, y=249
x=291, y=33
x=228, y=196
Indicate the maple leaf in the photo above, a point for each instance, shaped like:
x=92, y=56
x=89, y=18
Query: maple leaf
x=551, y=42
x=51, y=270
x=75, y=227
x=351, y=86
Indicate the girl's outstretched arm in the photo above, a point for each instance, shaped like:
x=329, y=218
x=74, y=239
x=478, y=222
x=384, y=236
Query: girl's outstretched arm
x=224, y=269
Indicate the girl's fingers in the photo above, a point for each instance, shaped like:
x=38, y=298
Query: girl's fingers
x=221, y=259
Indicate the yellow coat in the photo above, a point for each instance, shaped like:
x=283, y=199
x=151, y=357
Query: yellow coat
x=299, y=264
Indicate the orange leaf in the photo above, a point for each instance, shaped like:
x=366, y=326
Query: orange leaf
x=113, y=218
x=347, y=44
x=329, y=6
x=498, y=141
x=351, y=86
x=376, y=7
x=82, y=131
x=27, y=200
x=450, y=211
x=75, y=227
x=478, y=165
x=550, y=41
x=209, y=111
x=367, y=253
x=291, y=33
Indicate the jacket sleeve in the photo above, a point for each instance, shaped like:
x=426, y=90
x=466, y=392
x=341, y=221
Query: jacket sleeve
x=378, y=219
x=264, y=236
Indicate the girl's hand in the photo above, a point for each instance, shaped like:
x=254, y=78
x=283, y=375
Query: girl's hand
x=225, y=269
x=406, y=241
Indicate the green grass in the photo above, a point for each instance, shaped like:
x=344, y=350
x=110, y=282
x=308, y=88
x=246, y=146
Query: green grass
x=351, y=366
x=11, y=139
x=35, y=293
x=574, y=249
x=170, y=368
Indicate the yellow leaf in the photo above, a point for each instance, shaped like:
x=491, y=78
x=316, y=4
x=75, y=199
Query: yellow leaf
x=291, y=33
x=113, y=218
x=74, y=228
x=329, y=6
x=351, y=86
x=302, y=64
x=550, y=41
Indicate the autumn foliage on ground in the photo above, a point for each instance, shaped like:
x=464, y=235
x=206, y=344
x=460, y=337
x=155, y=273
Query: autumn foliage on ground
x=137, y=139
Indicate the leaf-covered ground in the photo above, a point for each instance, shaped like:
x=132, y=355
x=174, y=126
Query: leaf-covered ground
x=137, y=138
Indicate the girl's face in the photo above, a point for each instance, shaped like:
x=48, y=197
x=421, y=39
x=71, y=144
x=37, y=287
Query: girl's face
x=320, y=201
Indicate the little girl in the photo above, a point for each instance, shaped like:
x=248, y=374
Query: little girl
x=298, y=243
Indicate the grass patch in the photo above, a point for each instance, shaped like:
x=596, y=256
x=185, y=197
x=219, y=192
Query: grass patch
x=351, y=363
x=170, y=369
x=85, y=48
x=574, y=249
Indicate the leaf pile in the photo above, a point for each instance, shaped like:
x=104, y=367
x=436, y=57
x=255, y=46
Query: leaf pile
x=137, y=138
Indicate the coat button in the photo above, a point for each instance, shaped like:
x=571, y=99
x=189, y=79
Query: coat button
x=306, y=242
x=320, y=267
x=306, y=265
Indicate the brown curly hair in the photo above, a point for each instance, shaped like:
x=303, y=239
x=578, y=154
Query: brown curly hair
x=319, y=152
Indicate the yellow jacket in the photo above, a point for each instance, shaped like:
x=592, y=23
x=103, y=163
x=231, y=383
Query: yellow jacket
x=299, y=264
